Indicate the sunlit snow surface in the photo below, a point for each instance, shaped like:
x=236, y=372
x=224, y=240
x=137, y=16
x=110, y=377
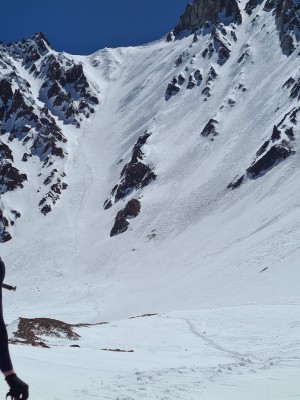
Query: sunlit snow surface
x=213, y=248
x=230, y=353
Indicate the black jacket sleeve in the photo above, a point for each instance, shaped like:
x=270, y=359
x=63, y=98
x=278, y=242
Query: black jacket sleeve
x=5, y=361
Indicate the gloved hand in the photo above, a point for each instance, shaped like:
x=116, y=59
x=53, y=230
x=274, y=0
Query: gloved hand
x=18, y=388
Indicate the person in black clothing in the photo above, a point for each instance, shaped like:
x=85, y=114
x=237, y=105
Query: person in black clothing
x=18, y=388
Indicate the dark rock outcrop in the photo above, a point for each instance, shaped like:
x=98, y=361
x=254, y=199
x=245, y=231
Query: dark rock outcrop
x=131, y=210
x=136, y=174
x=236, y=183
x=53, y=194
x=10, y=178
x=30, y=50
x=295, y=91
x=67, y=88
x=169, y=37
x=220, y=47
x=202, y=13
x=287, y=17
x=210, y=128
x=172, y=90
x=24, y=120
x=289, y=83
x=271, y=158
x=5, y=152
x=273, y=151
x=5, y=236
x=64, y=85
x=212, y=75
x=6, y=92
x=251, y=5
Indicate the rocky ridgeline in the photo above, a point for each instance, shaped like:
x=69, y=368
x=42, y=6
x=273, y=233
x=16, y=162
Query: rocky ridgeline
x=29, y=117
x=26, y=121
x=204, y=14
x=274, y=150
x=251, y=5
x=64, y=89
x=217, y=20
x=135, y=175
x=287, y=17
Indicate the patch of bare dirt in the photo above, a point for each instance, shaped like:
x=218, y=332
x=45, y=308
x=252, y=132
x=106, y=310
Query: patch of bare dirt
x=30, y=331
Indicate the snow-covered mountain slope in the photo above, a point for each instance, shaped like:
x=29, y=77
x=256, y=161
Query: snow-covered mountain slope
x=179, y=162
x=158, y=179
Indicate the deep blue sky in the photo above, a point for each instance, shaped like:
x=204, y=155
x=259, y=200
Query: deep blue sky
x=84, y=26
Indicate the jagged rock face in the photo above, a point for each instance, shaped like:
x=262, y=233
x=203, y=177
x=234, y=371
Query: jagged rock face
x=275, y=150
x=5, y=236
x=66, y=88
x=30, y=50
x=130, y=211
x=287, y=16
x=5, y=152
x=200, y=12
x=135, y=175
x=251, y=5
x=210, y=128
x=24, y=119
x=172, y=89
x=10, y=178
x=5, y=222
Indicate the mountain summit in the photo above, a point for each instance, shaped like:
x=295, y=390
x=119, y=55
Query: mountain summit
x=203, y=13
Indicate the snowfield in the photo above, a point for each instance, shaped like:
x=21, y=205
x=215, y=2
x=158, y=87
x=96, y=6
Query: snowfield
x=241, y=352
x=220, y=267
